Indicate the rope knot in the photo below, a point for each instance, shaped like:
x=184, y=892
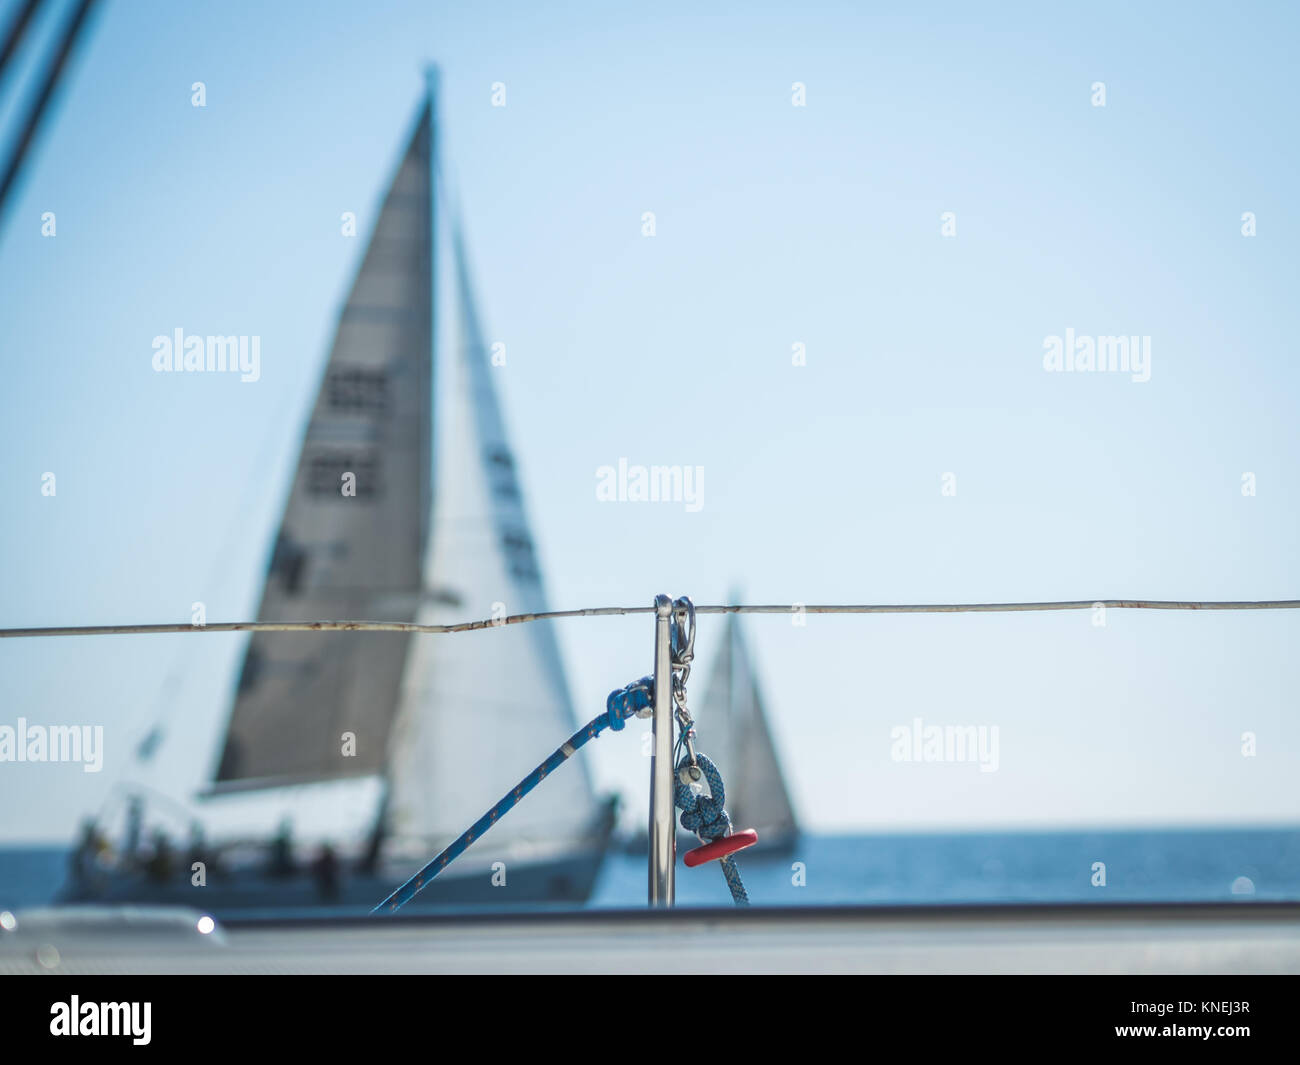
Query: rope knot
x=704, y=815
x=628, y=701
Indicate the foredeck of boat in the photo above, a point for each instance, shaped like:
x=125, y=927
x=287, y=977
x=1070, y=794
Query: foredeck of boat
x=1218, y=938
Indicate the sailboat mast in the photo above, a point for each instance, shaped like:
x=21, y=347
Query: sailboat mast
x=432, y=84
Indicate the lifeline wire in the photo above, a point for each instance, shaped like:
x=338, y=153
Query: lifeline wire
x=607, y=611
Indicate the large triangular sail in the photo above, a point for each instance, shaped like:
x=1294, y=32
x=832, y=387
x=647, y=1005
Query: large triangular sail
x=733, y=731
x=353, y=538
x=480, y=709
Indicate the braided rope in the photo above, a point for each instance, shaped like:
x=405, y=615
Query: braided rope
x=706, y=816
x=621, y=704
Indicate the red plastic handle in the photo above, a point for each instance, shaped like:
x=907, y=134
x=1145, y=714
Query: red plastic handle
x=720, y=848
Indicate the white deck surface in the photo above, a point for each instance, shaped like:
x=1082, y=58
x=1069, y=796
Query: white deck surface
x=1246, y=938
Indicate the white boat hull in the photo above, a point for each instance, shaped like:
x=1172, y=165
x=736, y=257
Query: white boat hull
x=249, y=893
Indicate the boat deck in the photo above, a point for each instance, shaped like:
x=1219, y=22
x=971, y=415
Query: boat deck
x=1179, y=939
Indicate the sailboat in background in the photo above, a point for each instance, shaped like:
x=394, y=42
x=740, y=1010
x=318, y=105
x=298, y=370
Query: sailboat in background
x=382, y=524
x=732, y=730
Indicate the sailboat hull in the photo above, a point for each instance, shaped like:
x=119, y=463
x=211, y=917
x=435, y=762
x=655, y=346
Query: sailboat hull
x=564, y=880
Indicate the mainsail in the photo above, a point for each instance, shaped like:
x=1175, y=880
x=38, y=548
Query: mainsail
x=353, y=537
x=480, y=709
x=733, y=731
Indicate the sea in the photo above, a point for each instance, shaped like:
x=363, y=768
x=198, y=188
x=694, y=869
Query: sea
x=1151, y=865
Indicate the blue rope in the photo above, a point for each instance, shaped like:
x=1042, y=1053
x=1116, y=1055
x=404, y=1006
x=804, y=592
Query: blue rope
x=621, y=704
x=705, y=816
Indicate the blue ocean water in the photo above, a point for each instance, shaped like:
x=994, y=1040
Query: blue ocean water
x=1185, y=865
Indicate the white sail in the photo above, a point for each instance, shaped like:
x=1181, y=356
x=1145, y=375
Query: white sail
x=480, y=709
x=731, y=726
x=350, y=550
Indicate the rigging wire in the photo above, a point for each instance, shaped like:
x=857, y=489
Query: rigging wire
x=607, y=611
x=54, y=70
x=17, y=27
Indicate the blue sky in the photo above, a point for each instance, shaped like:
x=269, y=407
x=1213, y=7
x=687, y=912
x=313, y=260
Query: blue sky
x=775, y=225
